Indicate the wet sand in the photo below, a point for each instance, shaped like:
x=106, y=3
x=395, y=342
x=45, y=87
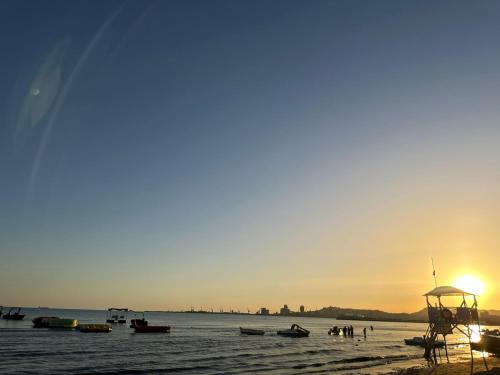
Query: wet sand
x=457, y=368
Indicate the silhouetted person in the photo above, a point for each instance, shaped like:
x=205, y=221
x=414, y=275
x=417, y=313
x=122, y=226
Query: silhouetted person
x=352, y=331
x=364, y=332
x=371, y=328
x=344, y=331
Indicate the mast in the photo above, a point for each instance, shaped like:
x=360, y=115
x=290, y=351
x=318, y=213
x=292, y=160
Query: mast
x=434, y=273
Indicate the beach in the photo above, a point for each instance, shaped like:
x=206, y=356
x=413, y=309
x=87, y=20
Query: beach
x=458, y=368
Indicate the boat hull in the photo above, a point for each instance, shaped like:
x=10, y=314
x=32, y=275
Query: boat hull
x=13, y=317
x=63, y=323
x=94, y=328
x=42, y=321
x=419, y=341
x=292, y=333
x=487, y=344
x=250, y=331
x=152, y=329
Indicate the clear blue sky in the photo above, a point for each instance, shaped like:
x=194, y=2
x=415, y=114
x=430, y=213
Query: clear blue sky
x=168, y=154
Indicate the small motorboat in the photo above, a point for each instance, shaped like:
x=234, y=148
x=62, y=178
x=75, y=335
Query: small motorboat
x=151, y=329
x=489, y=342
x=94, y=328
x=63, y=323
x=14, y=316
x=42, y=321
x=251, y=331
x=420, y=341
x=142, y=326
x=294, y=331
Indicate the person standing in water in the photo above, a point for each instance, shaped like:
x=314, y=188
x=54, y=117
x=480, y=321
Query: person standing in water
x=364, y=332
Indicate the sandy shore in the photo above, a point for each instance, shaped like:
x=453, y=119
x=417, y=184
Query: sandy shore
x=458, y=368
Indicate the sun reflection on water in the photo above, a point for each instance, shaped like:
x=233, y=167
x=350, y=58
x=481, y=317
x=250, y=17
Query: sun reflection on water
x=475, y=333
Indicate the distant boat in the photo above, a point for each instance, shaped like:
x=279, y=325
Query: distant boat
x=14, y=316
x=294, y=331
x=142, y=326
x=42, y=321
x=251, y=331
x=420, y=341
x=94, y=328
x=114, y=316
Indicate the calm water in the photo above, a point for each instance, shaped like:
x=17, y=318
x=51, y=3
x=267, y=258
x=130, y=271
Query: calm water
x=206, y=344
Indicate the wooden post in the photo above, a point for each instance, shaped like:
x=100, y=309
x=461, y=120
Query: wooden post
x=446, y=349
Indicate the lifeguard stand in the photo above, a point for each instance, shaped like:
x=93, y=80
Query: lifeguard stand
x=444, y=319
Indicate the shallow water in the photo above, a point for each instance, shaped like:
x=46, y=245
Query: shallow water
x=206, y=344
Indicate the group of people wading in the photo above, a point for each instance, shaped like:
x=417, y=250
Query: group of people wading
x=346, y=331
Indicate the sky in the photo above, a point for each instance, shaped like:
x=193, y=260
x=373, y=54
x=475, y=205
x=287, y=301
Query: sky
x=239, y=154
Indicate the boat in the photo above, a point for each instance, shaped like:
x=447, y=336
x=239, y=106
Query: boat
x=138, y=321
x=420, y=341
x=294, y=331
x=63, y=323
x=94, y=328
x=489, y=342
x=152, y=329
x=142, y=326
x=13, y=316
x=42, y=321
x=114, y=315
x=251, y=331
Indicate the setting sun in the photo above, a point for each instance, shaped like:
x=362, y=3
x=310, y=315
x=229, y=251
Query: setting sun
x=469, y=284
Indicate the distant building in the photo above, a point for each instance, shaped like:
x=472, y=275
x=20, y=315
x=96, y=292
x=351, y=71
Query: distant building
x=302, y=309
x=264, y=311
x=285, y=310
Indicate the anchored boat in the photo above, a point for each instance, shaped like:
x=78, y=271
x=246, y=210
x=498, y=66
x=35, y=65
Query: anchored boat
x=294, y=331
x=94, y=328
x=142, y=326
x=420, y=341
x=117, y=315
x=42, y=321
x=14, y=316
x=490, y=342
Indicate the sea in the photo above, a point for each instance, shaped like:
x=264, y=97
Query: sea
x=201, y=343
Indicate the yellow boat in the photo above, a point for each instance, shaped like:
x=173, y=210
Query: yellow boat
x=94, y=328
x=62, y=323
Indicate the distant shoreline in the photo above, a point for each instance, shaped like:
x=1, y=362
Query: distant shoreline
x=419, y=317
